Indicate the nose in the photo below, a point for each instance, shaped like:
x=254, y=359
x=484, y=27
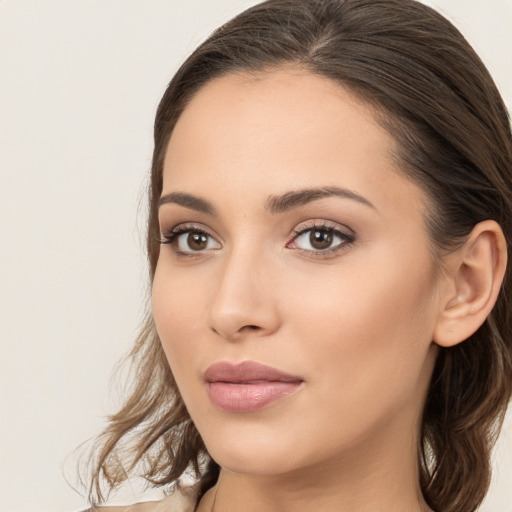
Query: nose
x=245, y=300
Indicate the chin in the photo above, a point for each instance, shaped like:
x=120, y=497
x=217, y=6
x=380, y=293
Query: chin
x=253, y=462
x=252, y=449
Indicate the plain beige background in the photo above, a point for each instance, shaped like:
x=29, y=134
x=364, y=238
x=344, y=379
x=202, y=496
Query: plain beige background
x=79, y=84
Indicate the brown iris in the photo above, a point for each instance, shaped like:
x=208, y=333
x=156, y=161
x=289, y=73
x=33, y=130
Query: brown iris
x=197, y=241
x=320, y=239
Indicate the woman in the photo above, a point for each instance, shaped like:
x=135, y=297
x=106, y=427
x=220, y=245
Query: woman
x=330, y=209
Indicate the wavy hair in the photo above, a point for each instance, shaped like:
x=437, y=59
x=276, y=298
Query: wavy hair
x=433, y=94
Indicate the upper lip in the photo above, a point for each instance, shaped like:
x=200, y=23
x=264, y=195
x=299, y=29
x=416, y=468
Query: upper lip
x=246, y=372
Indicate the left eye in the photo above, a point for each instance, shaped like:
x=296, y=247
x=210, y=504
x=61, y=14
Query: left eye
x=321, y=239
x=190, y=241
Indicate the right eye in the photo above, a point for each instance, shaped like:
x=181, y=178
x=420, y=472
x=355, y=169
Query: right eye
x=186, y=240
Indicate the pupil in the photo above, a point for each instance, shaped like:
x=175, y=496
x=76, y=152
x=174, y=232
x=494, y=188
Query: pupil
x=320, y=239
x=197, y=241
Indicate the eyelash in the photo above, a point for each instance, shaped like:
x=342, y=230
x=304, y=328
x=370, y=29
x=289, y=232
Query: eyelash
x=347, y=237
x=170, y=238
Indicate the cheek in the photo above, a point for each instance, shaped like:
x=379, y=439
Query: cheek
x=178, y=316
x=367, y=328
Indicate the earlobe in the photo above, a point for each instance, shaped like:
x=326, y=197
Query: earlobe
x=475, y=279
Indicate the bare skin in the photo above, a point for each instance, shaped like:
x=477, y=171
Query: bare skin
x=358, y=317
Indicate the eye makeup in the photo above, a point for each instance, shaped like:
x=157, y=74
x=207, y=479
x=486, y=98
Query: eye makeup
x=317, y=238
x=190, y=240
x=325, y=238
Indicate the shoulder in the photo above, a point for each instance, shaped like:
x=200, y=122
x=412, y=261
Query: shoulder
x=153, y=506
x=147, y=506
x=177, y=502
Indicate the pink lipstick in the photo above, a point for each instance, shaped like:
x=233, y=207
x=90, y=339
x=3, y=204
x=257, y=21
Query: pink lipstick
x=247, y=386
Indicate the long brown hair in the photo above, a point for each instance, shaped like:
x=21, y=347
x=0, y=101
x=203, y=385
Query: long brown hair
x=436, y=98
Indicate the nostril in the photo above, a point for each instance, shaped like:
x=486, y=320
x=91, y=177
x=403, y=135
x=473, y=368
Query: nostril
x=244, y=328
x=250, y=328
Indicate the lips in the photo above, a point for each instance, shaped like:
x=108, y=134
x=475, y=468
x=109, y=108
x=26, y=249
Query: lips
x=246, y=372
x=248, y=386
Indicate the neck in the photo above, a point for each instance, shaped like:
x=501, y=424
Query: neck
x=380, y=477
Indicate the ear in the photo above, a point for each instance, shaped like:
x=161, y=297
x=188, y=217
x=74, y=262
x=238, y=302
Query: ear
x=474, y=276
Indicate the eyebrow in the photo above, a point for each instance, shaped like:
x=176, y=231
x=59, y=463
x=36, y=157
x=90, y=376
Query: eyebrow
x=274, y=204
x=188, y=201
x=294, y=199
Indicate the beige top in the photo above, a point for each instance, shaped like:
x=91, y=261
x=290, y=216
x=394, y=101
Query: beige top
x=179, y=501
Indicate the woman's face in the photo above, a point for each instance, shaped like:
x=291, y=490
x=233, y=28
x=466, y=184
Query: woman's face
x=294, y=243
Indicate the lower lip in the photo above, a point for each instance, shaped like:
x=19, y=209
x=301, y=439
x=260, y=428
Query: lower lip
x=249, y=397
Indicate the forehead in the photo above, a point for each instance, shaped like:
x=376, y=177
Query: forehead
x=279, y=130
x=281, y=109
